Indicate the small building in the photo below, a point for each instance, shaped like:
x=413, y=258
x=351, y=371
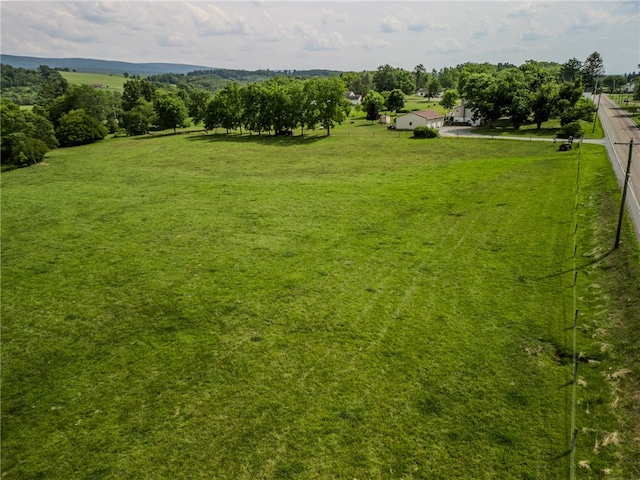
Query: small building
x=427, y=118
x=462, y=114
x=354, y=98
x=422, y=92
x=384, y=120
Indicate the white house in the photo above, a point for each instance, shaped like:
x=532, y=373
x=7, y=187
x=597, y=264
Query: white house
x=427, y=118
x=462, y=114
x=354, y=98
x=422, y=92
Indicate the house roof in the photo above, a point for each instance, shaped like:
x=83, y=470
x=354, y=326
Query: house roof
x=427, y=114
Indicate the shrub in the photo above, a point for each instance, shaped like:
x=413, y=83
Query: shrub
x=425, y=132
x=573, y=129
x=26, y=136
x=79, y=128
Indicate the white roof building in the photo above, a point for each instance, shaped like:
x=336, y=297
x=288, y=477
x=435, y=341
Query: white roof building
x=427, y=118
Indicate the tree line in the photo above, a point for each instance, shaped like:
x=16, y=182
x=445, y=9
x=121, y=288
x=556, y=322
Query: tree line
x=67, y=115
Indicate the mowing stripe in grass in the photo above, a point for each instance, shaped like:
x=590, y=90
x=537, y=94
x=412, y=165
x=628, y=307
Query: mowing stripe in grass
x=268, y=308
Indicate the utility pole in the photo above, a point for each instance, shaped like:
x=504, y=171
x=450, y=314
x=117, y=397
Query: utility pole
x=595, y=115
x=624, y=191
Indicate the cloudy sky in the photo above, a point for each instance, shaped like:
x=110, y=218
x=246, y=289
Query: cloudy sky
x=340, y=35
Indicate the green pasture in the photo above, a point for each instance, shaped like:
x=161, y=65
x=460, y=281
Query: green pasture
x=110, y=82
x=244, y=307
x=416, y=102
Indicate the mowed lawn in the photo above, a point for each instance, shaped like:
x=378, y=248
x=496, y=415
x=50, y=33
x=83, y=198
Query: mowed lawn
x=244, y=308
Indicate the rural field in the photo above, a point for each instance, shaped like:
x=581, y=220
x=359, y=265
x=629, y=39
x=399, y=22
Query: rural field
x=368, y=307
x=111, y=82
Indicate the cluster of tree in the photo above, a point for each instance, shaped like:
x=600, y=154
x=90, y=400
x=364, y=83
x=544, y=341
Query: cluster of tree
x=214, y=80
x=31, y=87
x=375, y=102
x=279, y=105
x=530, y=91
x=79, y=115
x=26, y=135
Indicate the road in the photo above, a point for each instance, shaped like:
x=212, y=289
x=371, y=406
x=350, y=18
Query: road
x=620, y=128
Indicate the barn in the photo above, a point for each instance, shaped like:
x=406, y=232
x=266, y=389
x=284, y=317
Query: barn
x=427, y=118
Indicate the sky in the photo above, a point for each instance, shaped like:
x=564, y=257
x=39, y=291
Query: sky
x=338, y=35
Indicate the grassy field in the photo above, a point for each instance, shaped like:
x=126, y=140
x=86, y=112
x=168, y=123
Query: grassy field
x=110, y=82
x=237, y=307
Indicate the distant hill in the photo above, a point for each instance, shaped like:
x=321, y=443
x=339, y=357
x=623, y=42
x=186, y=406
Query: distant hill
x=87, y=65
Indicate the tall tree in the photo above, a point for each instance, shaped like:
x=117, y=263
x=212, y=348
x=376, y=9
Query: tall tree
x=94, y=102
x=384, y=79
x=377, y=100
x=419, y=71
x=170, y=110
x=449, y=99
x=137, y=120
x=543, y=91
x=484, y=95
x=571, y=70
x=448, y=78
x=387, y=78
x=232, y=99
x=198, y=100
x=592, y=69
x=433, y=86
x=134, y=89
x=395, y=100
x=614, y=82
x=515, y=94
x=328, y=95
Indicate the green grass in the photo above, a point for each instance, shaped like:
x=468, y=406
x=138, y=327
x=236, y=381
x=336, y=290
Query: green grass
x=110, y=82
x=632, y=106
x=416, y=102
x=197, y=306
x=548, y=129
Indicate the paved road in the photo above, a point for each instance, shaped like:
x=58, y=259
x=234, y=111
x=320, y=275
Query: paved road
x=620, y=128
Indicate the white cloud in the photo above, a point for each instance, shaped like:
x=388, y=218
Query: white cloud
x=315, y=41
x=426, y=23
x=530, y=36
x=390, y=24
x=268, y=29
x=344, y=35
x=447, y=45
x=330, y=16
x=592, y=18
x=532, y=8
x=370, y=43
x=177, y=40
x=212, y=20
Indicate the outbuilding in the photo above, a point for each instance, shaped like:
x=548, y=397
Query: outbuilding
x=426, y=118
x=463, y=114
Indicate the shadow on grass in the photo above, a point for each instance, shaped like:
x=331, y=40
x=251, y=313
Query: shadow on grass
x=523, y=132
x=202, y=136
x=562, y=455
x=258, y=139
x=579, y=267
